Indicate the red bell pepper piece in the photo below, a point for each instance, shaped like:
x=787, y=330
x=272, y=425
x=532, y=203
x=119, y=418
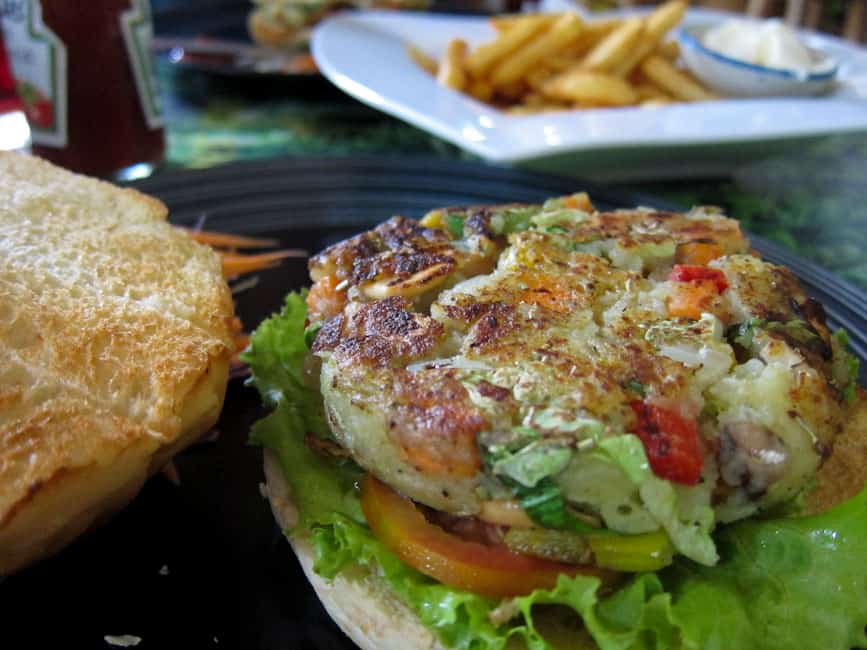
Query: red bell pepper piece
x=671, y=443
x=693, y=272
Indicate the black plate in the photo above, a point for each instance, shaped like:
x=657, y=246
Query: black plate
x=232, y=581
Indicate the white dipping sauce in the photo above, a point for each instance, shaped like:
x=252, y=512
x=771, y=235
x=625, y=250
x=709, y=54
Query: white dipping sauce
x=770, y=43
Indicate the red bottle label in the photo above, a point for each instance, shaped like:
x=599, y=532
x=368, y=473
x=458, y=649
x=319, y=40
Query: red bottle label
x=38, y=61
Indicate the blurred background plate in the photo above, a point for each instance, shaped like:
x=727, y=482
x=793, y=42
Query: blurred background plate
x=202, y=564
x=211, y=36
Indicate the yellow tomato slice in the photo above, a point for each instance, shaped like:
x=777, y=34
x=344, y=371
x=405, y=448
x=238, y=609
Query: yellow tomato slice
x=493, y=571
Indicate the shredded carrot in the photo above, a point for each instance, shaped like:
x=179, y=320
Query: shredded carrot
x=237, y=264
x=226, y=240
x=698, y=252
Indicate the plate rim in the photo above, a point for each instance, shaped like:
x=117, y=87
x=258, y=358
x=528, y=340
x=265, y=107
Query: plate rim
x=500, y=145
x=186, y=180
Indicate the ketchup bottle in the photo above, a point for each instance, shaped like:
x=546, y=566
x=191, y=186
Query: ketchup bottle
x=8, y=100
x=84, y=74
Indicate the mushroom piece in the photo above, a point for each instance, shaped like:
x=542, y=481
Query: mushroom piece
x=751, y=457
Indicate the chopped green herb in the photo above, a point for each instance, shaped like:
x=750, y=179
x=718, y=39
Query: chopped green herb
x=511, y=220
x=798, y=330
x=742, y=334
x=636, y=386
x=844, y=366
x=559, y=230
x=455, y=225
x=545, y=505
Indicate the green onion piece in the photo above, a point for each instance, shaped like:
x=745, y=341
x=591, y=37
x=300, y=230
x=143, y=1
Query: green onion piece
x=455, y=225
x=637, y=386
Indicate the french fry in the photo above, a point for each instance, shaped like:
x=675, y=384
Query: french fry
x=669, y=50
x=481, y=90
x=666, y=16
x=523, y=109
x=422, y=60
x=567, y=28
x=588, y=88
x=646, y=91
x=615, y=47
x=545, y=62
x=535, y=100
x=653, y=103
x=511, y=92
x=599, y=29
x=656, y=26
x=678, y=84
x=506, y=22
x=593, y=33
x=521, y=30
x=451, y=70
x=558, y=62
x=538, y=76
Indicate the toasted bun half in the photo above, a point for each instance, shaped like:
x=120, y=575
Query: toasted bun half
x=359, y=601
x=115, y=344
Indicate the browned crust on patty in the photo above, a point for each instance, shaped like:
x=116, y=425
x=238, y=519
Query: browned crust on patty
x=379, y=333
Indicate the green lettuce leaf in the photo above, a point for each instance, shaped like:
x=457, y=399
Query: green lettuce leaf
x=276, y=357
x=533, y=463
x=321, y=487
x=545, y=505
x=786, y=584
x=782, y=585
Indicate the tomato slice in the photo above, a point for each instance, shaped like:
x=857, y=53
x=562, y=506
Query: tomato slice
x=671, y=442
x=694, y=272
x=493, y=571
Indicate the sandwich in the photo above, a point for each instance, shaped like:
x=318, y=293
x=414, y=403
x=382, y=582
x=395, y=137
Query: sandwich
x=547, y=426
x=115, y=342
x=287, y=23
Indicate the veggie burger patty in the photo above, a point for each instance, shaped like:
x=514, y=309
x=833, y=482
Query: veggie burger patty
x=538, y=374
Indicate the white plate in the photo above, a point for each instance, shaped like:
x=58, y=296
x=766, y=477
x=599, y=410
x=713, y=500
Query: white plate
x=364, y=53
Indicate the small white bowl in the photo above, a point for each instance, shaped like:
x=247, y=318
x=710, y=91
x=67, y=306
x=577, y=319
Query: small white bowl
x=730, y=76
